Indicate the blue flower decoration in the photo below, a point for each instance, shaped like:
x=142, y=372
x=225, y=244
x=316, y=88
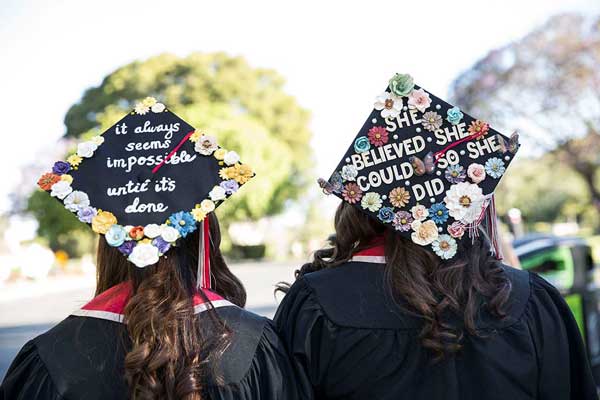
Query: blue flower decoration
x=455, y=173
x=115, y=236
x=61, y=167
x=386, y=214
x=230, y=186
x=183, y=221
x=362, y=144
x=438, y=213
x=454, y=115
x=127, y=247
x=162, y=245
x=494, y=167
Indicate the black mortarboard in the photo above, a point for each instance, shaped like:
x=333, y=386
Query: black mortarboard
x=423, y=167
x=146, y=181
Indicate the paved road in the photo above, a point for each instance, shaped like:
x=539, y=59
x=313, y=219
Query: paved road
x=27, y=311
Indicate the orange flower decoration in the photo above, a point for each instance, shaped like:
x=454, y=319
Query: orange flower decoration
x=399, y=197
x=47, y=180
x=137, y=232
x=479, y=128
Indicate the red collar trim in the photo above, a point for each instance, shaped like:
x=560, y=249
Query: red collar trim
x=111, y=303
x=375, y=253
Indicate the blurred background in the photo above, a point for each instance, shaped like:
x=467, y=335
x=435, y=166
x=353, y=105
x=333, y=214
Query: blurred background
x=287, y=85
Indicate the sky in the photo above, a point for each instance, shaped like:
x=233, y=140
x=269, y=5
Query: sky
x=335, y=56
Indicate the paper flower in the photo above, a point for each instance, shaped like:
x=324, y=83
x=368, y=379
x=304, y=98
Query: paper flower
x=455, y=173
x=47, y=180
x=76, y=200
x=127, y=247
x=220, y=154
x=115, y=236
x=444, y=246
x=206, y=145
x=61, y=167
x=144, y=254
x=149, y=101
x=349, y=172
x=432, y=121
x=136, y=232
x=169, y=233
x=402, y=221
x=371, y=201
x=74, y=160
x=476, y=172
x=352, y=193
x=158, y=108
x=424, y=232
x=230, y=186
x=141, y=109
x=361, y=144
x=438, y=213
x=401, y=84
x=152, y=230
x=419, y=99
x=198, y=214
x=61, y=189
x=494, y=167
x=464, y=202
x=97, y=140
x=162, y=245
x=456, y=230
x=399, y=197
x=86, y=214
x=195, y=136
x=242, y=173
x=454, y=115
x=86, y=149
x=419, y=212
x=231, y=157
x=479, y=128
x=217, y=193
x=67, y=178
x=102, y=222
x=227, y=173
x=378, y=136
x=389, y=104
x=386, y=214
x=183, y=221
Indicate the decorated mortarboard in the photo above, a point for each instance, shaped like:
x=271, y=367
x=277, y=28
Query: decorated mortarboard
x=147, y=181
x=424, y=167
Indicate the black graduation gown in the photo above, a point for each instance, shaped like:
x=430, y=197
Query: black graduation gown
x=82, y=358
x=343, y=331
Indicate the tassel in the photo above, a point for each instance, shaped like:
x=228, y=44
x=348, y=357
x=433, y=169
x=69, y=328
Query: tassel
x=203, y=272
x=491, y=226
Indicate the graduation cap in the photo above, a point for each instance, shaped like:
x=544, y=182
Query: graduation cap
x=147, y=181
x=424, y=168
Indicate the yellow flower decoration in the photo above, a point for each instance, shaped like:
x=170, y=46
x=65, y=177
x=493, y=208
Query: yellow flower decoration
x=149, y=101
x=198, y=214
x=207, y=206
x=67, y=178
x=227, y=173
x=74, y=160
x=195, y=136
x=102, y=222
x=220, y=154
x=243, y=173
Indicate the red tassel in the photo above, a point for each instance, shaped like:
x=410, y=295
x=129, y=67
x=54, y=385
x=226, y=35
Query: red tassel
x=206, y=276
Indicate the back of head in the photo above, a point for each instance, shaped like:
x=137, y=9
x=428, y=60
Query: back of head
x=434, y=289
x=171, y=353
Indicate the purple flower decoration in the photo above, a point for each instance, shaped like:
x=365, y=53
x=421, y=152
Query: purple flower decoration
x=161, y=244
x=61, y=167
x=86, y=214
x=455, y=174
x=127, y=247
x=230, y=186
x=402, y=221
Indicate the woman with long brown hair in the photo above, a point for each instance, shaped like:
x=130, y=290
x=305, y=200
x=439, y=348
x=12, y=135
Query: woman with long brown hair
x=167, y=321
x=411, y=301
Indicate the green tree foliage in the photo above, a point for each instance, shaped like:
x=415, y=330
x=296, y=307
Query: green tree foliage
x=246, y=108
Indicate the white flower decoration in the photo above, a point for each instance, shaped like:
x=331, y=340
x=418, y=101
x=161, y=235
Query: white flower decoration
x=207, y=206
x=158, y=108
x=419, y=212
x=141, y=108
x=144, y=254
x=371, y=201
x=464, y=202
x=231, y=157
x=445, y=247
x=61, y=189
x=206, y=145
x=86, y=149
x=349, y=172
x=169, y=233
x=76, y=200
x=128, y=229
x=152, y=231
x=217, y=193
x=97, y=140
x=389, y=104
x=424, y=232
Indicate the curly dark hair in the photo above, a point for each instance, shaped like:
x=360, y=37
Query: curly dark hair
x=170, y=353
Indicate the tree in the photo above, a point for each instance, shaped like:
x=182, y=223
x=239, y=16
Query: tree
x=546, y=85
x=245, y=108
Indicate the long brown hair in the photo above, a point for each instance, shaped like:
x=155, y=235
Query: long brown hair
x=169, y=356
x=433, y=289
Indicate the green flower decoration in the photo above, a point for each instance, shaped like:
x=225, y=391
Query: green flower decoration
x=401, y=84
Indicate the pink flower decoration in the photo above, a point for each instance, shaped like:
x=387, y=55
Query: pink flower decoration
x=378, y=136
x=456, y=230
x=476, y=172
x=419, y=99
x=352, y=193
